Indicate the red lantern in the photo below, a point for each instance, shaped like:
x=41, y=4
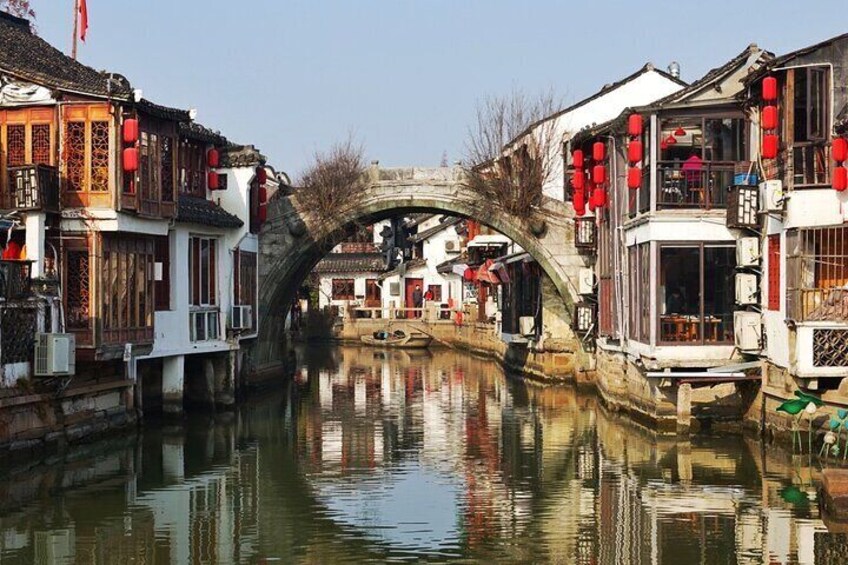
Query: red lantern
x=262, y=214
x=599, y=174
x=578, y=199
x=670, y=140
x=580, y=211
x=599, y=195
x=130, y=130
x=769, y=88
x=663, y=145
x=598, y=151
x=213, y=183
x=840, y=178
x=634, y=178
x=577, y=158
x=468, y=274
x=578, y=179
x=679, y=132
x=263, y=195
x=769, y=117
x=130, y=158
x=591, y=203
x=769, y=149
x=634, y=151
x=634, y=125
x=261, y=175
x=839, y=151
x=213, y=158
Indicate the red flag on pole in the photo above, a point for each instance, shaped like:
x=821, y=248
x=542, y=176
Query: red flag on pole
x=83, y=14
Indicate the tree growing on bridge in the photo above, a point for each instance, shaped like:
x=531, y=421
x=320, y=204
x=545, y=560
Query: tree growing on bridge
x=333, y=182
x=512, y=152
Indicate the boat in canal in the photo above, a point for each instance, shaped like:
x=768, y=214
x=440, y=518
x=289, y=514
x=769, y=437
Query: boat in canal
x=399, y=339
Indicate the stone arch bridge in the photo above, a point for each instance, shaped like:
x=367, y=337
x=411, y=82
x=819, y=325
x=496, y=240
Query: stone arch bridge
x=292, y=242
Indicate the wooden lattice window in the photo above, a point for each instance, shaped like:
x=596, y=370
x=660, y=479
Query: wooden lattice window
x=774, y=272
x=75, y=155
x=830, y=347
x=78, y=289
x=343, y=289
x=167, y=168
x=40, y=144
x=127, y=296
x=16, y=145
x=100, y=156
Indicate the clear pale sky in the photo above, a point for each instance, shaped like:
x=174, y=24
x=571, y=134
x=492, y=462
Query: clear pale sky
x=404, y=75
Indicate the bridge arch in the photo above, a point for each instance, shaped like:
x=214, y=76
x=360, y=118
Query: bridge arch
x=292, y=241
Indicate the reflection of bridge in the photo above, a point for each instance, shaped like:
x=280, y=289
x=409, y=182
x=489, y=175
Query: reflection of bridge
x=293, y=240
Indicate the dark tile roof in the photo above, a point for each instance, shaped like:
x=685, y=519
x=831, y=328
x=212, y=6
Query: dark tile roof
x=198, y=132
x=196, y=210
x=679, y=96
x=162, y=112
x=415, y=219
x=648, y=67
x=241, y=156
x=404, y=267
x=351, y=263
x=783, y=60
x=446, y=267
x=443, y=225
x=26, y=56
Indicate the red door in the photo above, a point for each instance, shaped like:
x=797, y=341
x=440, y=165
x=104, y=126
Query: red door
x=409, y=302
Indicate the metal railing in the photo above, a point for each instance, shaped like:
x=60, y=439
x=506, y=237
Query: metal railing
x=702, y=186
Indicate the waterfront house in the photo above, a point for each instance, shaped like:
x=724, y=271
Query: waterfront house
x=797, y=105
x=145, y=221
x=655, y=180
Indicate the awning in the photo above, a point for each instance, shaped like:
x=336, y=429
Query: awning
x=515, y=258
x=459, y=269
x=489, y=241
x=485, y=275
x=499, y=269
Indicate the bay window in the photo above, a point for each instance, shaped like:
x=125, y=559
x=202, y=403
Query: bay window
x=699, y=155
x=696, y=293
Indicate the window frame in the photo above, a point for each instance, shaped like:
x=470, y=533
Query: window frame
x=342, y=284
x=702, y=246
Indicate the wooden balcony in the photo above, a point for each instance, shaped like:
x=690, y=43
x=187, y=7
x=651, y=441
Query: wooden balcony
x=32, y=188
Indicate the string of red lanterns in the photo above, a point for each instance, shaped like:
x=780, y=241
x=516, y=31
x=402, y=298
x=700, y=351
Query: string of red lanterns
x=839, y=152
x=634, y=151
x=769, y=119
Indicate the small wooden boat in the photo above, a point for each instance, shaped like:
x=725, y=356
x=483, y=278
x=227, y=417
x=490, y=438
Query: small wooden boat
x=398, y=339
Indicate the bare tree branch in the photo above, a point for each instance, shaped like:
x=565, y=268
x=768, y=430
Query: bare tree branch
x=512, y=151
x=333, y=182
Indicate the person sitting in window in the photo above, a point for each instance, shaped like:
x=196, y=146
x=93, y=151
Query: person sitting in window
x=674, y=302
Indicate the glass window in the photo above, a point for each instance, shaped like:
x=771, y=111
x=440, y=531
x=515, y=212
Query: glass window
x=696, y=286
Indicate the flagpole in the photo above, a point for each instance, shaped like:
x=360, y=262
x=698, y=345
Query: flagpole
x=76, y=28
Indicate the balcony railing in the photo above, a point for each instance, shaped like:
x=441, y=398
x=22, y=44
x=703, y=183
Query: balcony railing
x=32, y=187
x=684, y=185
x=15, y=279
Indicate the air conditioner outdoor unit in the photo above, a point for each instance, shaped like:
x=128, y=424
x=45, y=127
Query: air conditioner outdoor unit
x=527, y=325
x=586, y=281
x=241, y=318
x=55, y=355
x=452, y=246
x=746, y=289
x=747, y=252
x=772, y=191
x=747, y=331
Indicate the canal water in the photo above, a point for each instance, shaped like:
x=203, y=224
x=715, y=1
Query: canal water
x=376, y=456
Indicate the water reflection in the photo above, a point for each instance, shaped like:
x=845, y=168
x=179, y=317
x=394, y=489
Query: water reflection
x=377, y=456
